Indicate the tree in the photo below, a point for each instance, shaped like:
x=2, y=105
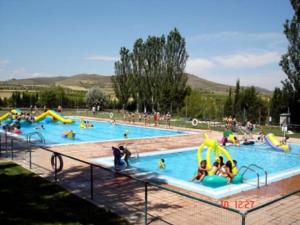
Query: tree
x=121, y=81
x=290, y=62
x=236, y=103
x=153, y=73
x=48, y=97
x=276, y=106
x=95, y=96
x=228, y=104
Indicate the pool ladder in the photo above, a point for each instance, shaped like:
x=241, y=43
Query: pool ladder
x=29, y=136
x=250, y=168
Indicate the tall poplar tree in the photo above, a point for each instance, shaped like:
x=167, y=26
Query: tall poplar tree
x=290, y=62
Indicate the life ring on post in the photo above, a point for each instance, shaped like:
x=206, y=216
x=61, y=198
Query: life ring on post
x=111, y=115
x=59, y=161
x=194, y=122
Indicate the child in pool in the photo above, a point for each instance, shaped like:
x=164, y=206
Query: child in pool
x=161, y=164
x=215, y=168
x=202, y=171
x=226, y=171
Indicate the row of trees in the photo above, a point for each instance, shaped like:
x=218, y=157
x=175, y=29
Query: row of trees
x=202, y=105
x=50, y=97
x=246, y=104
x=152, y=76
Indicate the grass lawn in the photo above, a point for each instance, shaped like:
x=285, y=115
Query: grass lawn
x=26, y=198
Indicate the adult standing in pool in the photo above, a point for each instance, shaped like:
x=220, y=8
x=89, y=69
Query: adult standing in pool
x=126, y=154
x=117, y=156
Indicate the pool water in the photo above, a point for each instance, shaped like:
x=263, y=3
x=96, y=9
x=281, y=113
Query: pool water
x=183, y=165
x=102, y=131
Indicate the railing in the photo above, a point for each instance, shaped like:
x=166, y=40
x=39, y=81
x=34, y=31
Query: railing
x=243, y=214
x=249, y=168
x=30, y=135
x=266, y=173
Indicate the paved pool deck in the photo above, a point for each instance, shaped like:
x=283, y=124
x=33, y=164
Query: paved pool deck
x=126, y=196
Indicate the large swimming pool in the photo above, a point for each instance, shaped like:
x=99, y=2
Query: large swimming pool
x=181, y=166
x=102, y=131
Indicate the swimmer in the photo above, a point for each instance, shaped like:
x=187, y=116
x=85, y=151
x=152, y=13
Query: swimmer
x=161, y=164
x=126, y=134
x=40, y=127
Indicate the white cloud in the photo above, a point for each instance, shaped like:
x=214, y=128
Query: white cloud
x=3, y=62
x=248, y=59
x=101, y=58
x=199, y=65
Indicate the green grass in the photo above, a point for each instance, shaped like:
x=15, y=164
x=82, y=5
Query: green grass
x=26, y=198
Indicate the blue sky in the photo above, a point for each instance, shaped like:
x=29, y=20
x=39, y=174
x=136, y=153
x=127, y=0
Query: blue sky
x=226, y=39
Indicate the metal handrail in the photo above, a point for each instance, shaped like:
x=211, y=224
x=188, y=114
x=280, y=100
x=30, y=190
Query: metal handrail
x=143, y=181
x=29, y=136
x=266, y=173
x=248, y=168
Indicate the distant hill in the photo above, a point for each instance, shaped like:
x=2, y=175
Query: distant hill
x=85, y=81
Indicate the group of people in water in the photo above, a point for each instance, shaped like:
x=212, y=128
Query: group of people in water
x=219, y=168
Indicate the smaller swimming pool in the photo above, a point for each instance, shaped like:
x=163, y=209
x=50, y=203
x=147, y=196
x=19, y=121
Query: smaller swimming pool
x=181, y=166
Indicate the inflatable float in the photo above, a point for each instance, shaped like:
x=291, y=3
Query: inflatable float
x=13, y=111
x=275, y=144
x=54, y=115
x=212, y=146
x=84, y=124
x=69, y=134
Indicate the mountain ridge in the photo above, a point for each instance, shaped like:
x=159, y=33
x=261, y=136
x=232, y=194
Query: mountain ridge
x=84, y=81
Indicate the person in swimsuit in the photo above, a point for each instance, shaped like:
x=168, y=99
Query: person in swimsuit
x=226, y=171
x=215, y=168
x=202, y=171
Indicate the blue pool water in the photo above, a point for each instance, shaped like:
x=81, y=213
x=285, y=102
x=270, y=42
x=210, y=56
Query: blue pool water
x=183, y=165
x=102, y=131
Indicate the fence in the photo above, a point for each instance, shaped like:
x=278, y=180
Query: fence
x=144, y=201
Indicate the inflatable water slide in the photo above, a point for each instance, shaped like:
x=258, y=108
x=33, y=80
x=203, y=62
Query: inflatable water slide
x=275, y=144
x=14, y=111
x=54, y=115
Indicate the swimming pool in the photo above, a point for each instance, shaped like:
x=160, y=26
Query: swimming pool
x=181, y=166
x=102, y=131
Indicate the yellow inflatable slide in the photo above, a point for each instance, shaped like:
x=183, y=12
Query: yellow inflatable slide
x=54, y=115
x=275, y=143
x=3, y=117
x=13, y=111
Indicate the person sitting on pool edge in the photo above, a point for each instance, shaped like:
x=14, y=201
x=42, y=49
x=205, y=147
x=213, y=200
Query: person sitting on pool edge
x=126, y=153
x=202, y=171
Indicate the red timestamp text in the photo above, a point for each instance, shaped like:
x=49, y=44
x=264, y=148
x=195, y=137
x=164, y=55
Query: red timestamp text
x=238, y=204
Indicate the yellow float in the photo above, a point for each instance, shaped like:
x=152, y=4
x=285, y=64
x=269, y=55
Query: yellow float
x=275, y=144
x=85, y=125
x=212, y=146
x=69, y=134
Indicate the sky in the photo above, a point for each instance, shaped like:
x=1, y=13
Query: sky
x=226, y=39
